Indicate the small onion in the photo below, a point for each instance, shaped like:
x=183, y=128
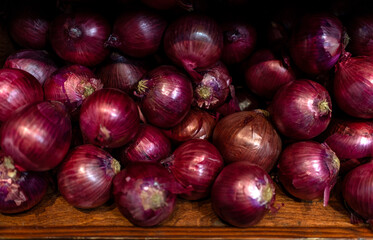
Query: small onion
x=308, y=170
x=242, y=194
x=196, y=163
x=18, y=88
x=247, y=136
x=37, y=136
x=109, y=118
x=85, y=176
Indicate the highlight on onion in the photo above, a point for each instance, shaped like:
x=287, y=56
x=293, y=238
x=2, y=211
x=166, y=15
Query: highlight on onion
x=247, y=136
x=301, y=109
x=308, y=170
x=109, y=118
x=37, y=136
x=19, y=191
x=195, y=163
x=18, y=88
x=85, y=176
x=242, y=194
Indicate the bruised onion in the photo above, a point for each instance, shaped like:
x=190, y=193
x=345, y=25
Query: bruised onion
x=18, y=88
x=308, y=170
x=85, y=176
x=247, y=136
x=36, y=62
x=301, y=109
x=166, y=96
x=195, y=164
x=242, y=194
x=71, y=85
x=37, y=136
x=109, y=118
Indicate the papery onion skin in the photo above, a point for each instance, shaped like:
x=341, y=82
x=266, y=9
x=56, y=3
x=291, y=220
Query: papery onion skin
x=19, y=191
x=85, y=176
x=193, y=41
x=195, y=163
x=149, y=145
x=242, y=194
x=80, y=37
x=167, y=96
x=71, y=85
x=109, y=118
x=38, y=136
x=301, y=109
x=317, y=43
x=36, y=62
x=144, y=193
x=308, y=170
x=18, y=88
x=247, y=136
x=360, y=31
x=353, y=87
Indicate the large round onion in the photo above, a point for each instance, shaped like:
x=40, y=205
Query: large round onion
x=195, y=164
x=17, y=88
x=242, y=194
x=85, y=176
x=308, y=170
x=37, y=136
x=109, y=118
x=247, y=136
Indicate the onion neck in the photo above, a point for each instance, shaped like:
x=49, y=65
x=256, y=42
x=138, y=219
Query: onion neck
x=324, y=107
x=152, y=198
x=142, y=87
x=8, y=169
x=266, y=194
x=75, y=32
x=204, y=92
x=115, y=165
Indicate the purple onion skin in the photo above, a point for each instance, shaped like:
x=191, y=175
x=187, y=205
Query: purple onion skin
x=317, y=43
x=149, y=145
x=360, y=31
x=301, y=109
x=19, y=191
x=193, y=41
x=308, y=170
x=195, y=163
x=37, y=136
x=71, y=85
x=18, y=88
x=242, y=194
x=167, y=96
x=353, y=86
x=109, y=118
x=144, y=193
x=36, y=62
x=85, y=176
x=80, y=37
x=138, y=33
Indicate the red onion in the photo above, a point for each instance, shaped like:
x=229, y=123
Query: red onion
x=301, y=109
x=242, y=194
x=109, y=118
x=18, y=88
x=85, y=176
x=36, y=62
x=37, y=136
x=360, y=31
x=260, y=55
x=122, y=73
x=149, y=145
x=353, y=86
x=317, y=43
x=166, y=96
x=138, y=33
x=213, y=89
x=357, y=191
x=71, y=85
x=247, y=136
x=145, y=193
x=194, y=41
x=80, y=37
x=198, y=124
x=239, y=40
x=350, y=163
x=19, y=191
x=308, y=170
